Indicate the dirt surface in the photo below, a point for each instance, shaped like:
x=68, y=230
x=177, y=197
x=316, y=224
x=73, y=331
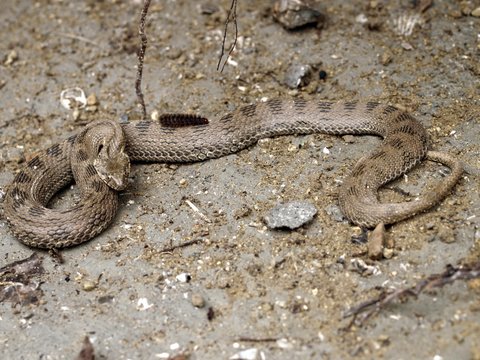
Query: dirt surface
x=132, y=290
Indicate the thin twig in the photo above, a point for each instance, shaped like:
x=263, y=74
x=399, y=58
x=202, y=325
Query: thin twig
x=141, y=57
x=182, y=245
x=367, y=309
x=232, y=15
x=255, y=340
x=197, y=210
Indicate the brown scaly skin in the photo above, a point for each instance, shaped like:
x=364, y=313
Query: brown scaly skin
x=98, y=149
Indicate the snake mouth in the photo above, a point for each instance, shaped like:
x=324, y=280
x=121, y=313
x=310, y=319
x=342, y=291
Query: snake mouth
x=115, y=182
x=114, y=171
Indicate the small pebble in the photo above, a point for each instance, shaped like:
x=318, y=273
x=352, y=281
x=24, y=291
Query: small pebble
x=455, y=14
x=174, y=53
x=198, y=300
x=292, y=148
x=222, y=282
x=446, y=234
x=297, y=76
x=474, y=285
x=209, y=8
x=356, y=231
x=349, y=139
x=155, y=115
x=11, y=58
x=406, y=45
x=361, y=19
x=361, y=267
x=248, y=354
x=466, y=10
x=76, y=114
x=334, y=212
x=124, y=119
x=290, y=215
x=430, y=226
x=388, y=253
x=92, y=99
x=376, y=241
x=476, y=12
x=358, y=236
x=89, y=285
x=184, y=277
x=143, y=304
x=293, y=14
x=15, y=154
x=284, y=344
x=105, y=299
x=386, y=58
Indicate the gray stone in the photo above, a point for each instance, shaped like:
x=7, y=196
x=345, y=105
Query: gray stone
x=293, y=14
x=290, y=215
x=334, y=212
x=198, y=300
x=297, y=76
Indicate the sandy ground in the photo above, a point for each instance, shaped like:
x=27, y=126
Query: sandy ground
x=281, y=293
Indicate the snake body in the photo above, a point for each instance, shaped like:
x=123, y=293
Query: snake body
x=96, y=157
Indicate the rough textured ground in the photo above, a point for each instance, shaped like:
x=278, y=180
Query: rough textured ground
x=280, y=292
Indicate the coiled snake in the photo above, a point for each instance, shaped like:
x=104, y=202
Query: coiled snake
x=98, y=160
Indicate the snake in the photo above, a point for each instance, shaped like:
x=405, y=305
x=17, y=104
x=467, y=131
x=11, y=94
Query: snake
x=98, y=160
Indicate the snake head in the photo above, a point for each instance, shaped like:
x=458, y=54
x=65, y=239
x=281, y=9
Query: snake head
x=113, y=166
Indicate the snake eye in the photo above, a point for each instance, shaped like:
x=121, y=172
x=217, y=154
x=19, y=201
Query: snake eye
x=100, y=148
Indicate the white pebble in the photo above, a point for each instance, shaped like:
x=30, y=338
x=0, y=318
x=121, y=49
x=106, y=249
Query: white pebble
x=248, y=354
x=142, y=304
x=183, y=277
x=362, y=19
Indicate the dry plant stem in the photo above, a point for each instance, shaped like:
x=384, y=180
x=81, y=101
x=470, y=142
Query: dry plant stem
x=182, y=245
x=141, y=57
x=362, y=312
x=232, y=15
x=255, y=340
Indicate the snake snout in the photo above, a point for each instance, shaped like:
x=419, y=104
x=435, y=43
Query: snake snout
x=113, y=168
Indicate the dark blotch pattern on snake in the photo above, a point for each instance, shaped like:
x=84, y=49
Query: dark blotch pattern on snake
x=96, y=157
